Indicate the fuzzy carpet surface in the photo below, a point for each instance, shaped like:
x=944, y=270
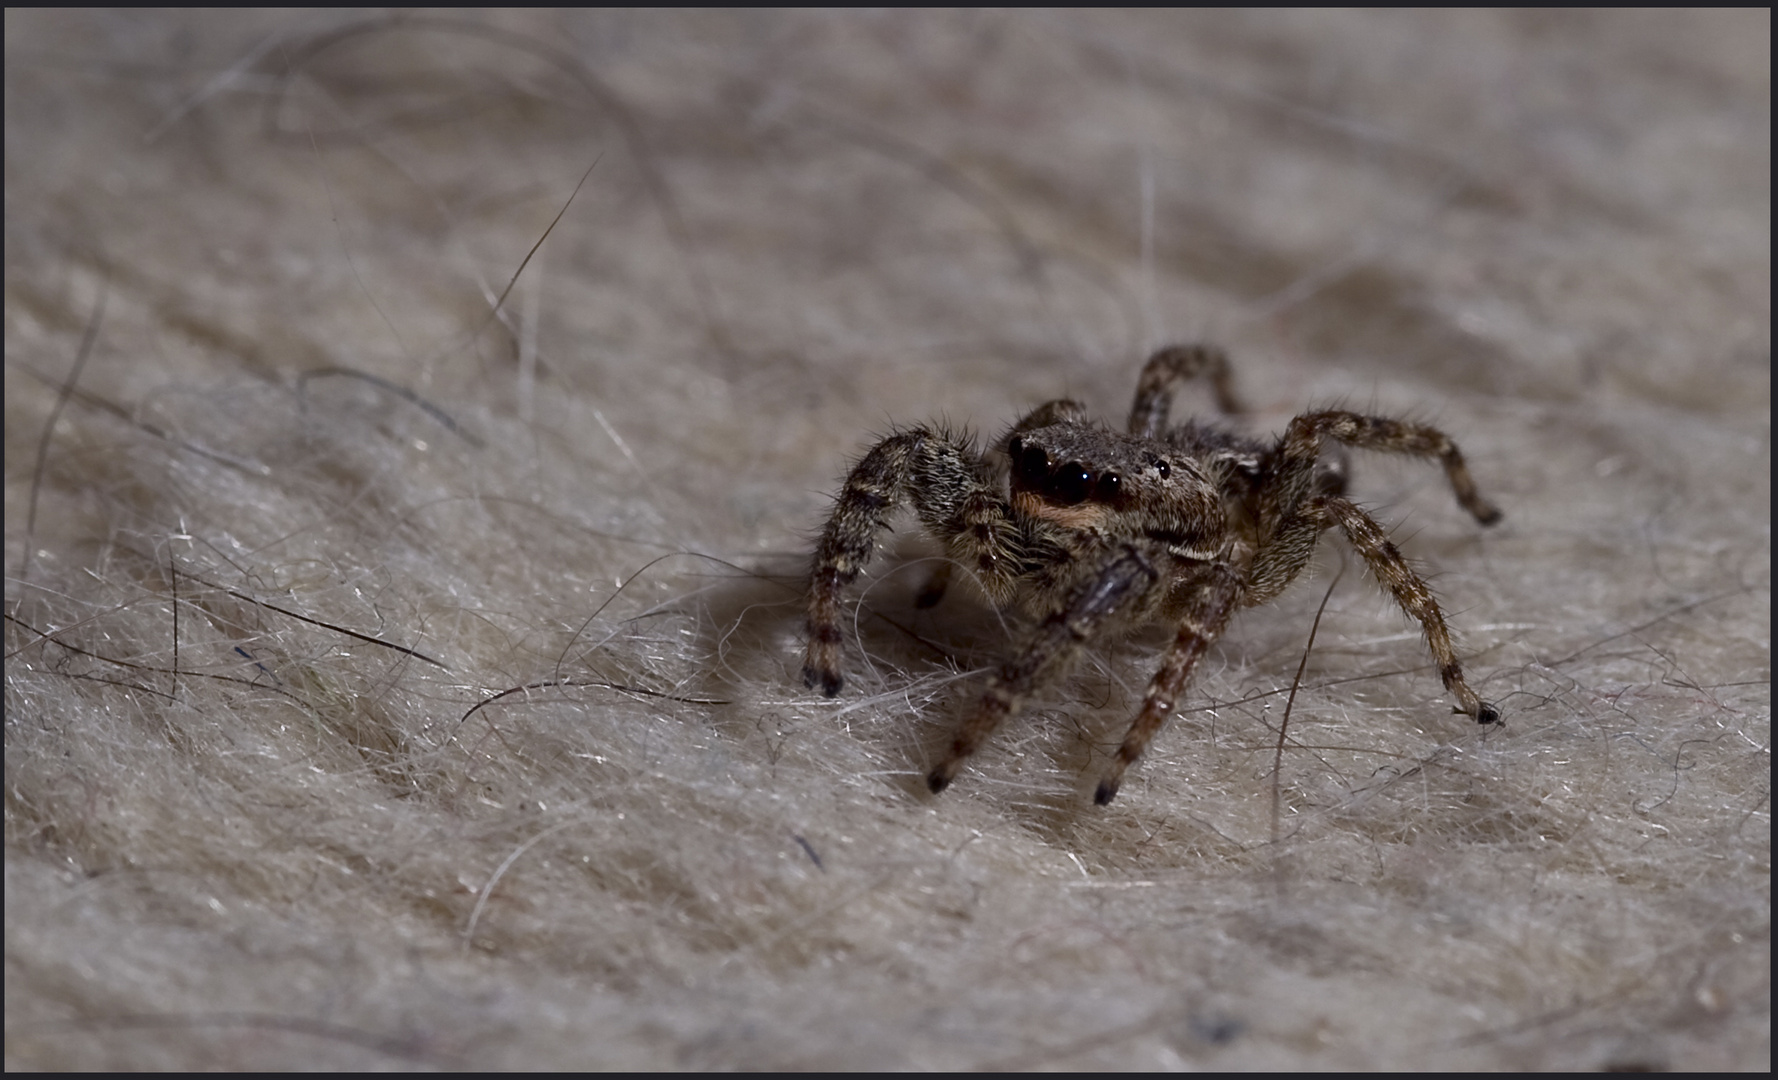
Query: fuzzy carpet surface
x=403, y=618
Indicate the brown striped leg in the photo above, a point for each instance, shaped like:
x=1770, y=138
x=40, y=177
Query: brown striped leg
x=1208, y=612
x=1293, y=461
x=1057, y=640
x=1411, y=593
x=943, y=478
x=1163, y=373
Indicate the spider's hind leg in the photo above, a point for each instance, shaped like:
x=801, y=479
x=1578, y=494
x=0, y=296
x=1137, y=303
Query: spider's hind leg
x=1050, y=413
x=1168, y=368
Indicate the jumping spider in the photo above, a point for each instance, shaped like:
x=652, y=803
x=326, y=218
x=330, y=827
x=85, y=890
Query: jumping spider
x=1094, y=529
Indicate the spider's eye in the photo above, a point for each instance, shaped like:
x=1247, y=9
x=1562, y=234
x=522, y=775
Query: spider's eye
x=1106, y=489
x=1030, y=462
x=1071, y=483
x=1163, y=468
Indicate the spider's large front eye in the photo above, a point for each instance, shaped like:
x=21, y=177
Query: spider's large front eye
x=1071, y=483
x=1030, y=462
x=1106, y=489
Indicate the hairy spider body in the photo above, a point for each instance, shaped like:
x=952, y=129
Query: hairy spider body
x=1093, y=529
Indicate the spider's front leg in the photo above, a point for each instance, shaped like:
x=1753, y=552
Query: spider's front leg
x=1119, y=586
x=1209, y=602
x=946, y=481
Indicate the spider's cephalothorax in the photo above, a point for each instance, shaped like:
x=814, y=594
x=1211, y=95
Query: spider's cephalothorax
x=1093, y=529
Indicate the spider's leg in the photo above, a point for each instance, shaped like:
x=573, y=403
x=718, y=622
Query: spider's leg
x=1056, y=641
x=1162, y=374
x=942, y=477
x=1059, y=411
x=1207, y=611
x=1294, y=459
x=1410, y=592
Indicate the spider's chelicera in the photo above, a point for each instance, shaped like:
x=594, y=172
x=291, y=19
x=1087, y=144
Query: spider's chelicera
x=1093, y=529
